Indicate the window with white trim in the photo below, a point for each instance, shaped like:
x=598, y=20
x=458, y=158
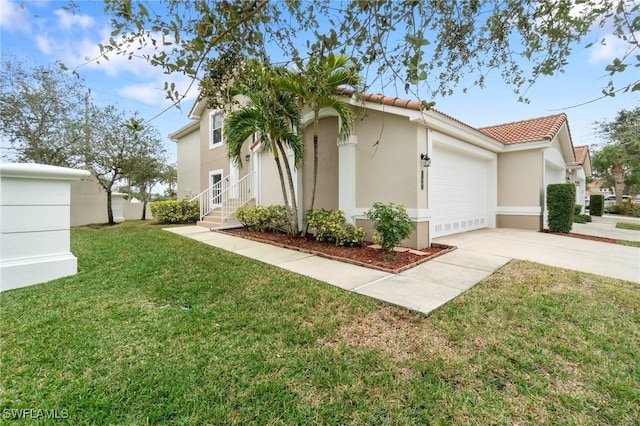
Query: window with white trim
x=215, y=124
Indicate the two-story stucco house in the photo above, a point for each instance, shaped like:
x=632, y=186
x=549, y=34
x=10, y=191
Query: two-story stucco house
x=475, y=177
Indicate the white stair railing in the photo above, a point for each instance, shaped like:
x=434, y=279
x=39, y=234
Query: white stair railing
x=211, y=198
x=226, y=196
x=237, y=195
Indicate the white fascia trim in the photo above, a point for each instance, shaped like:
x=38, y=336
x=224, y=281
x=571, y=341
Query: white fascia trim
x=445, y=140
x=519, y=210
x=436, y=121
x=196, y=110
x=184, y=130
x=416, y=215
x=523, y=146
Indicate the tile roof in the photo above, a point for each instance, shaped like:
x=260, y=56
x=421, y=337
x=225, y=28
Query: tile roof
x=382, y=99
x=581, y=153
x=535, y=129
x=397, y=102
x=531, y=130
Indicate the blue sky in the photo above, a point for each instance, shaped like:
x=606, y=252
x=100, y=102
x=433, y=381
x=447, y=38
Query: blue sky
x=42, y=32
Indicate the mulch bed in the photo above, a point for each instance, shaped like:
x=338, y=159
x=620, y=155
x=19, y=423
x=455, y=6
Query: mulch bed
x=363, y=256
x=583, y=237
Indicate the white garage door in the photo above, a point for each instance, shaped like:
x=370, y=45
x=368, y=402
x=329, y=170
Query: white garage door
x=458, y=191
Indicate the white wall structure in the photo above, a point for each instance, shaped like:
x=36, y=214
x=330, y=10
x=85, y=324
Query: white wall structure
x=117, y=206
x=89, y=204
x=34, y=224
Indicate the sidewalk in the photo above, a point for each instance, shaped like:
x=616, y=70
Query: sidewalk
x=605, y=226
x=423, y=288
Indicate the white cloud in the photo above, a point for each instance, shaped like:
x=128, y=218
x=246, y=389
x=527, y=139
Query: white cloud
x=69, y=20
x=153, y=93
x=147, y=93
x=13, y=16
x=44, y=44
x=612, y=47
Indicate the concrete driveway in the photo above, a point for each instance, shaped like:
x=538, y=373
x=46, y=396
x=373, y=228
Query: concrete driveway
x=611, y=260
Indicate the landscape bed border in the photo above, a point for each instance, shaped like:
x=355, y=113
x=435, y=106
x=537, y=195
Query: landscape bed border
x=444, y=250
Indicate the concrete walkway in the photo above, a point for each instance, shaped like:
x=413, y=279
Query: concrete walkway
x=422, y=289
x=605, y=226
x=433, y=283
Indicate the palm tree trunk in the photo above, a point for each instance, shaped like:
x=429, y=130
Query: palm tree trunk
x=316, y=132
x=293, y=219
x=618, y=182
x=283, y=186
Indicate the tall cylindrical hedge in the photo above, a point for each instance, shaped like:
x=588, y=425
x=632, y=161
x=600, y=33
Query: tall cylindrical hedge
x=561, y=198
x=596, y=204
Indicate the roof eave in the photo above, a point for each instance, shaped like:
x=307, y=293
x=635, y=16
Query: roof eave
x=523, y=146
x=434, y=120
x=184, y=130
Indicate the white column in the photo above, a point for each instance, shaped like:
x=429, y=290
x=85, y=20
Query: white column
x=34, y=224
x=347, y=177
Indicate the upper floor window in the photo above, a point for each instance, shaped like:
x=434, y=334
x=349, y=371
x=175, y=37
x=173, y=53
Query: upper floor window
x=215, y=124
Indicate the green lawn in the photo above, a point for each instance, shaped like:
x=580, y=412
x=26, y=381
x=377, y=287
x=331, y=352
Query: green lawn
x=625, y=225
x=114, y=345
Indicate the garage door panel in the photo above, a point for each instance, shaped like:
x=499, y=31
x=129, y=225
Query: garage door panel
x=458, y=192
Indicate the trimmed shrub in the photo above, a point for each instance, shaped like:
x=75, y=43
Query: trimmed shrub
x=391, y=223
x=560, y=201
x=596, y=204
x=331, y=226
x=577, y=209
x=263, y=218
x=174, y=211
x=581, y=218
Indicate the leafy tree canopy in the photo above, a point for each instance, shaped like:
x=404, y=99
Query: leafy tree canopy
x=41, y=113
x=432, y=44
x=617, y=161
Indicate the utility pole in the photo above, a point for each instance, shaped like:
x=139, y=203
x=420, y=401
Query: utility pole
x=87, y=132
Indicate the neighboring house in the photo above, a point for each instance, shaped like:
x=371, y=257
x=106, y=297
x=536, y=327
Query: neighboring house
x=599, y=187
x=489, y=177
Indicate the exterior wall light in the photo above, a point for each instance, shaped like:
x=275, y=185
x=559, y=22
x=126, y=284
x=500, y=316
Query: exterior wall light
x=247, y=157
x=426, y=161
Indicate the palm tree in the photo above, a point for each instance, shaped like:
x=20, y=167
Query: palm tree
x=317, y=87
x=273, y=115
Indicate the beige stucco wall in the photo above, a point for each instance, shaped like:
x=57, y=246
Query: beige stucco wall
x=89, y=204
x=418, y=239
x=189, y=165
x=210, y=159
x=518, y=221
x=327, y=186
x=216, y=158
x=520, y=178
x=386, y=160
x=270, y=188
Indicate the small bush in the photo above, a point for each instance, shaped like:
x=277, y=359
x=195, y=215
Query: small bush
x=391, y=223
x=577, y=209
x=596, y=204
x=581, y=218
x=331, y=226
x=560, y=203
x=183, y=211
x=263, y=218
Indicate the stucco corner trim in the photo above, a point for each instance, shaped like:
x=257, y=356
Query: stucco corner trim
x=519, y=210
